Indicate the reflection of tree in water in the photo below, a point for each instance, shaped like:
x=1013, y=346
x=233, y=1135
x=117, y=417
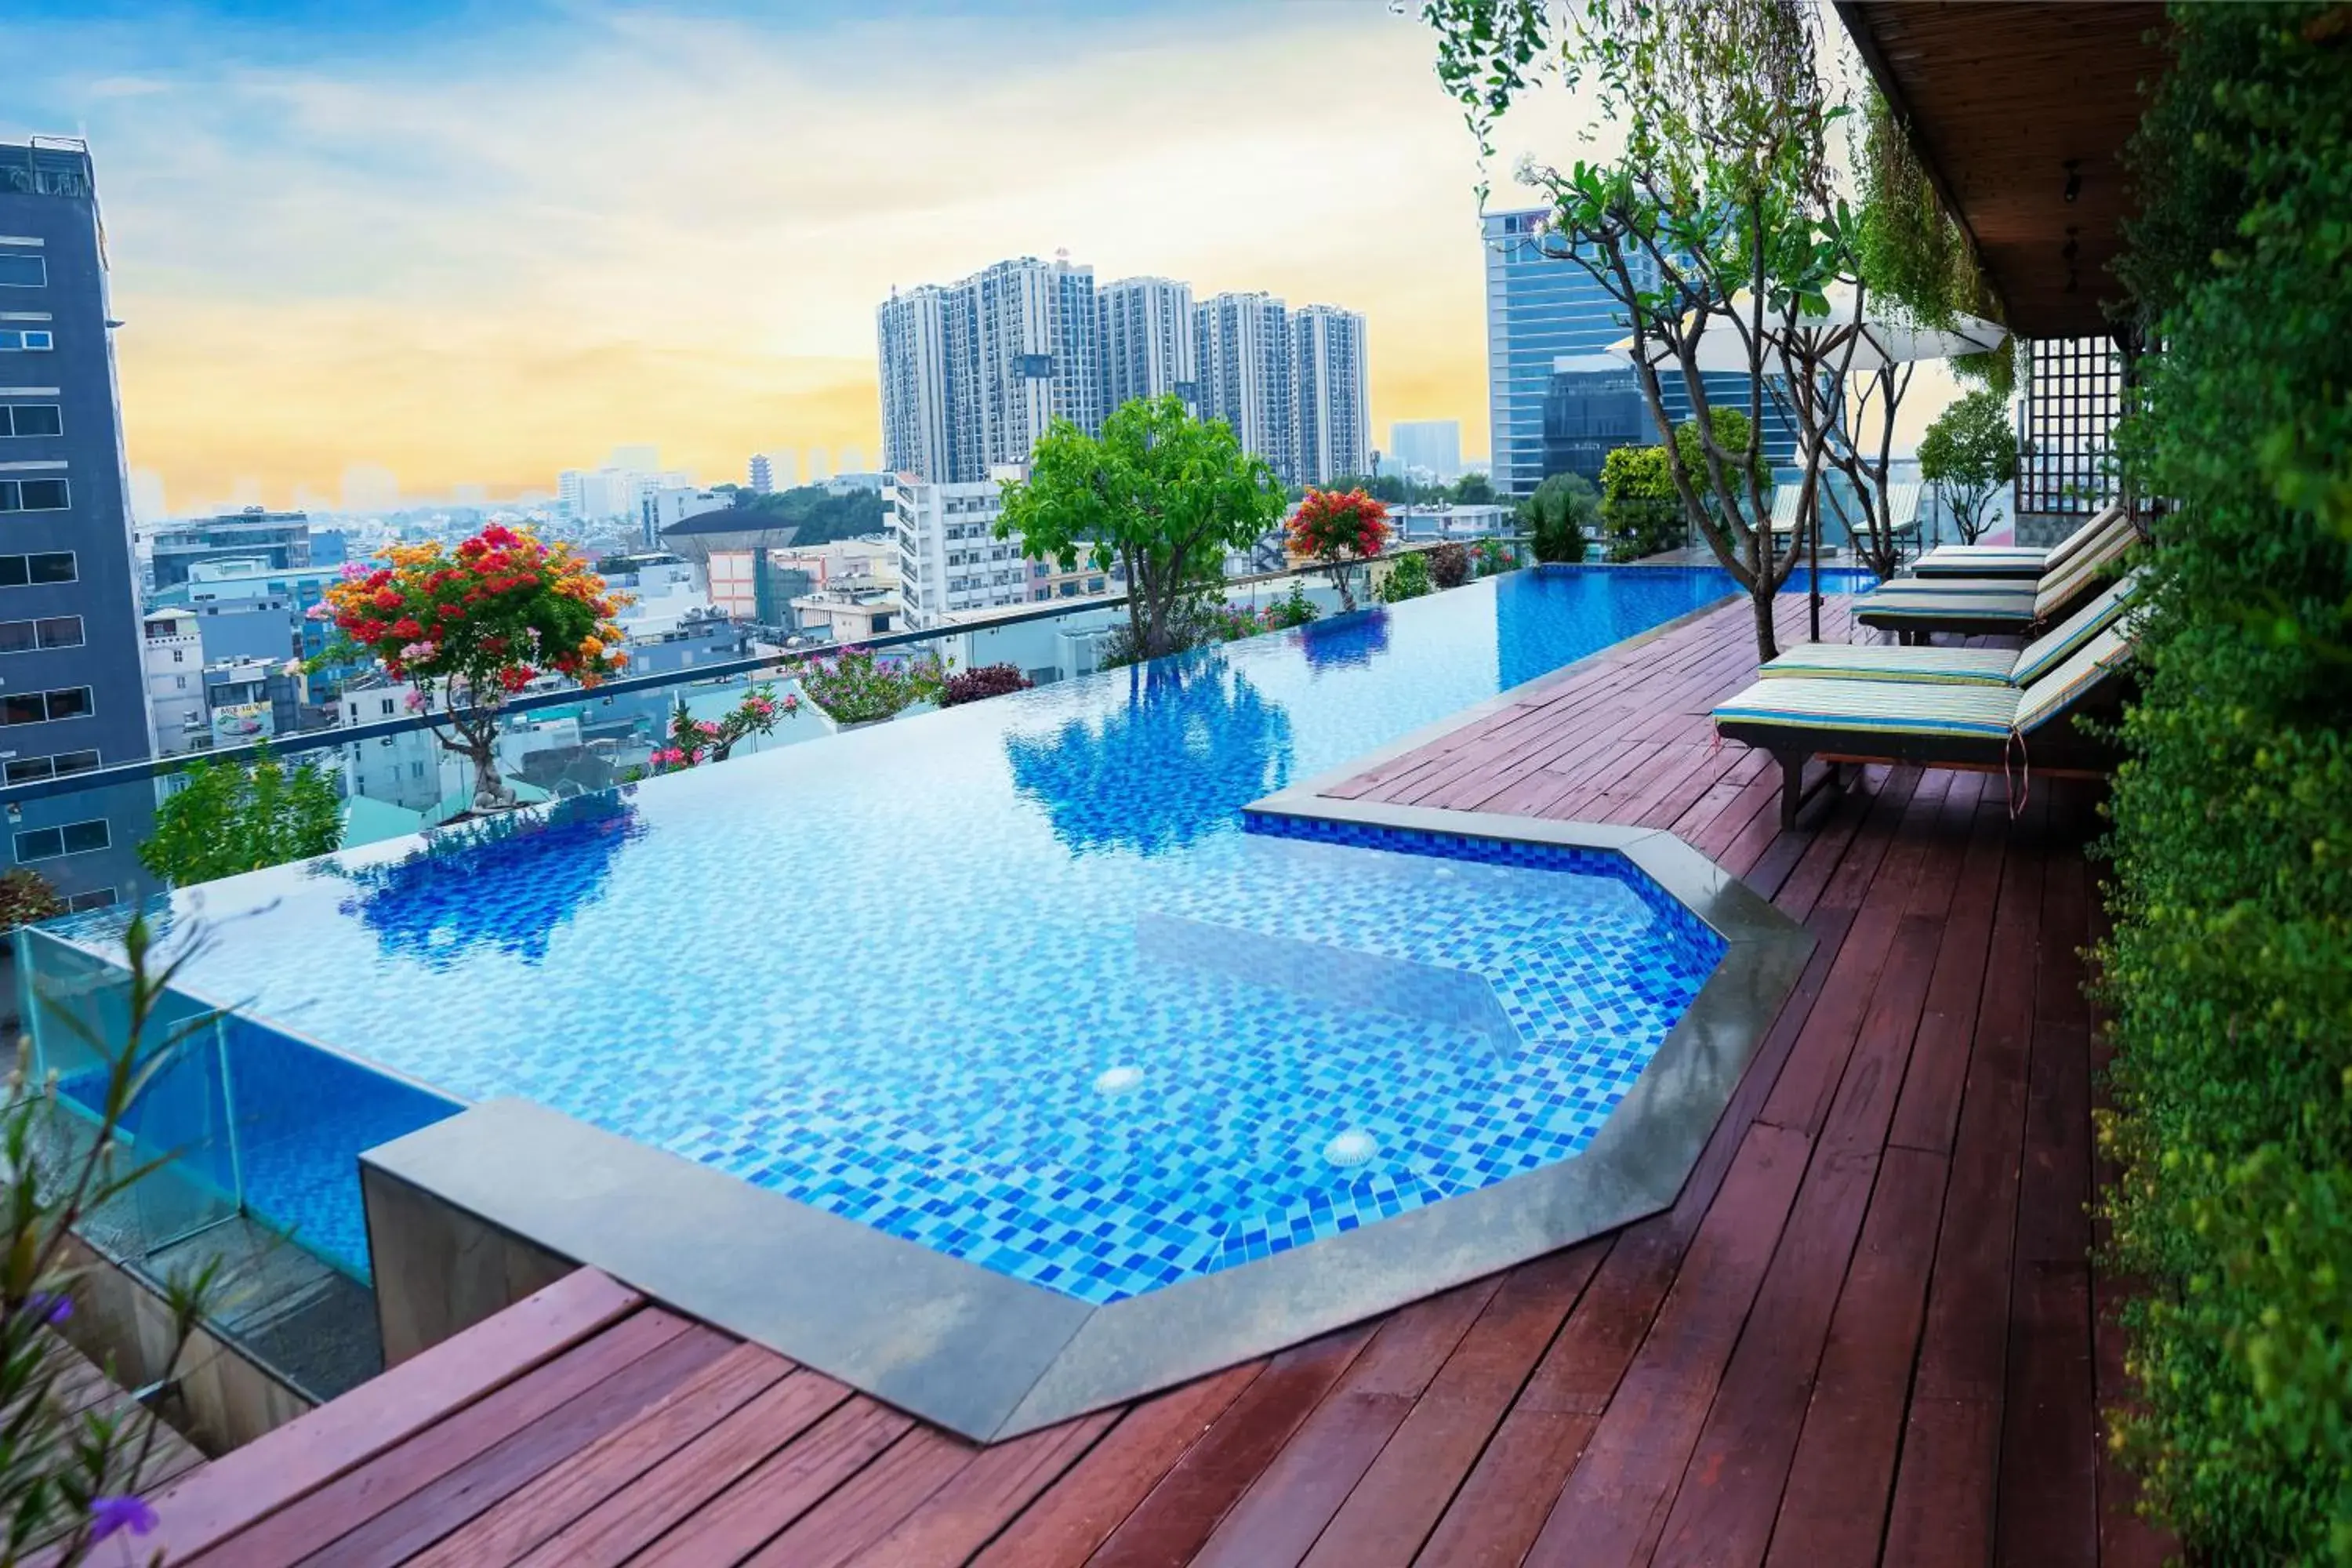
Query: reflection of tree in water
x=504, y=882
x=1340, y=641
x=1192, y=742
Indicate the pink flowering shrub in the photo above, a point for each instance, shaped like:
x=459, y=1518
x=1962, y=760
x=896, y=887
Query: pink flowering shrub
x=693, y=741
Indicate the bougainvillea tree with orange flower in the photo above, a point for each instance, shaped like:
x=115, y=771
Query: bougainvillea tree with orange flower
x=1341, y=528
x=470, y=626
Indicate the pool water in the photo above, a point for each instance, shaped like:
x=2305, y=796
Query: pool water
x=1013, y=981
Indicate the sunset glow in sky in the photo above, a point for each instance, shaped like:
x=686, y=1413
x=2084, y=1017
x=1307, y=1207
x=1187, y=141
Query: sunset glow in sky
x=478, y=245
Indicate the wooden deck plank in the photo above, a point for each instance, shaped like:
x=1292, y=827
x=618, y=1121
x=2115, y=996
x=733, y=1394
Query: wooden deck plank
x=1284, y=1511
x=1184, y=1509
x=1399, y=1499
x=641, y=1512
x=305, y=1454
x=398, y=1473
x=954, y=1522
x=1066, y=1525
x=1833, y=1508
x=861, y=1511
x=793, y=1480
x=1612, y=1507
x=540, y=1509
x=2048, y=1484
x=400, y=1534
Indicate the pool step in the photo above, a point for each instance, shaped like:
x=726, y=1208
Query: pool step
x=1336, y=977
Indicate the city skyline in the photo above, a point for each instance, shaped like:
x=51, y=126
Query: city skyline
x=412, y=260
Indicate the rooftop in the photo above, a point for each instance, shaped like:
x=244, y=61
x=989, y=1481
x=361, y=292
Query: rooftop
x=1864, y=1330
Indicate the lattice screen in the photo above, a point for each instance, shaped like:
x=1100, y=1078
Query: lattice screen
x=2072, y=404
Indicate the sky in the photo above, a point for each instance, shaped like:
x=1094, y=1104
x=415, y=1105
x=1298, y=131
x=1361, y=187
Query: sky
x=480, y=244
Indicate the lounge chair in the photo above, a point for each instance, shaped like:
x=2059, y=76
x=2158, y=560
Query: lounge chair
x=2017, y=561
x=1977, y=726
x=1915, y=606
x=1957, y=665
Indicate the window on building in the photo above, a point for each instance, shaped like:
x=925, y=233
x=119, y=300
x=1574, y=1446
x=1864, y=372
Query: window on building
x=73, y=839
x=52, y=631
x=179, y=655
x=14, y=340
x=31, y=419
x=33, y=495
x=389, y=708
x=50, y=566
x=95, y=899
x=33, y=770
x=19, y=271
x=45, y=707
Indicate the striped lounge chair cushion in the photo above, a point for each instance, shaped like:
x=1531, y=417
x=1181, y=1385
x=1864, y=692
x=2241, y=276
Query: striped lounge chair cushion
x=2016, y=605
x=2047, y=651
x=1879, y=707
x=2057, y=692
x=1954, y=559
x=1886, y=661
x=2068, y=582
x=1947, y=587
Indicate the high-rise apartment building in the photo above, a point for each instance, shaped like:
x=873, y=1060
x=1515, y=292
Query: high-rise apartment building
x=1148, y=347
x=1431, y=447
x=1026, y=351
x=1541, y=308
x=910, y=330
x=973, y=373
x=1246, y=377
x=1331, y=423
x=73, y=677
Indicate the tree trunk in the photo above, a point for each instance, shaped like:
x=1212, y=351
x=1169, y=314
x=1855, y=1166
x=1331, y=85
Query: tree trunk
x=491, y=791
x=1340, y=575
x=1768, y=647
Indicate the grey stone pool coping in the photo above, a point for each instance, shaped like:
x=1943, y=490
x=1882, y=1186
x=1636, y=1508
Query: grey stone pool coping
x=989, y=1357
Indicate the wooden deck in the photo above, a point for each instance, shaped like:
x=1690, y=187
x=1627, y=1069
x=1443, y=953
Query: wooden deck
x=1868, y=1332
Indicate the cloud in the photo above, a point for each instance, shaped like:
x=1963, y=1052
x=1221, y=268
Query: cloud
x=483, y=259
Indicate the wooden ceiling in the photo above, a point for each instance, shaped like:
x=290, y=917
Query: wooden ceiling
x=2008, y=104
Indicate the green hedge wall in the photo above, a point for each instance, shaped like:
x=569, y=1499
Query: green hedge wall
x=2229, y=973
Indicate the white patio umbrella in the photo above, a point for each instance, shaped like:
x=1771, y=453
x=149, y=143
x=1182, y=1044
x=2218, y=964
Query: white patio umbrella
x=1882, y=333
x=1887, y=334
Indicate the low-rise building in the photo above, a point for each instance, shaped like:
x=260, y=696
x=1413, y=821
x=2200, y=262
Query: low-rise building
x=175, y=678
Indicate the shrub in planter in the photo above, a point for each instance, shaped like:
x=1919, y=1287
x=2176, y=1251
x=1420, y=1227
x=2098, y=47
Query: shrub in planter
x=982, y=681
x=1449, y=565
x=1341, y=528
x=1408, y=579
x=858, y=687
x=693, y=741
x=1295, y=611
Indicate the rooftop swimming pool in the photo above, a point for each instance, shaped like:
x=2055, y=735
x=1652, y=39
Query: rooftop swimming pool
x=1016, y=982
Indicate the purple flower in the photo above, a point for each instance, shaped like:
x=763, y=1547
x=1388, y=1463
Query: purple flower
x=108, y=1514
x=51, y=1309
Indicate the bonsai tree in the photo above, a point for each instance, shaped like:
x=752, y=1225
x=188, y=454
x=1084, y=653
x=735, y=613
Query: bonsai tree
x=1341, y=528
x=1968, y=454
x=473, y=625
x=1562, y=515
x=1159, y=494
x=693, y=741
x=232, y=817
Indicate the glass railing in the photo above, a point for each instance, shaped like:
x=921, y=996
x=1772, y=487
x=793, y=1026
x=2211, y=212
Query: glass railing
x=395, y=778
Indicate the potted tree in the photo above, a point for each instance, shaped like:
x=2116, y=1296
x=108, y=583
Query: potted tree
x=471, y=626
x=1341, y=528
